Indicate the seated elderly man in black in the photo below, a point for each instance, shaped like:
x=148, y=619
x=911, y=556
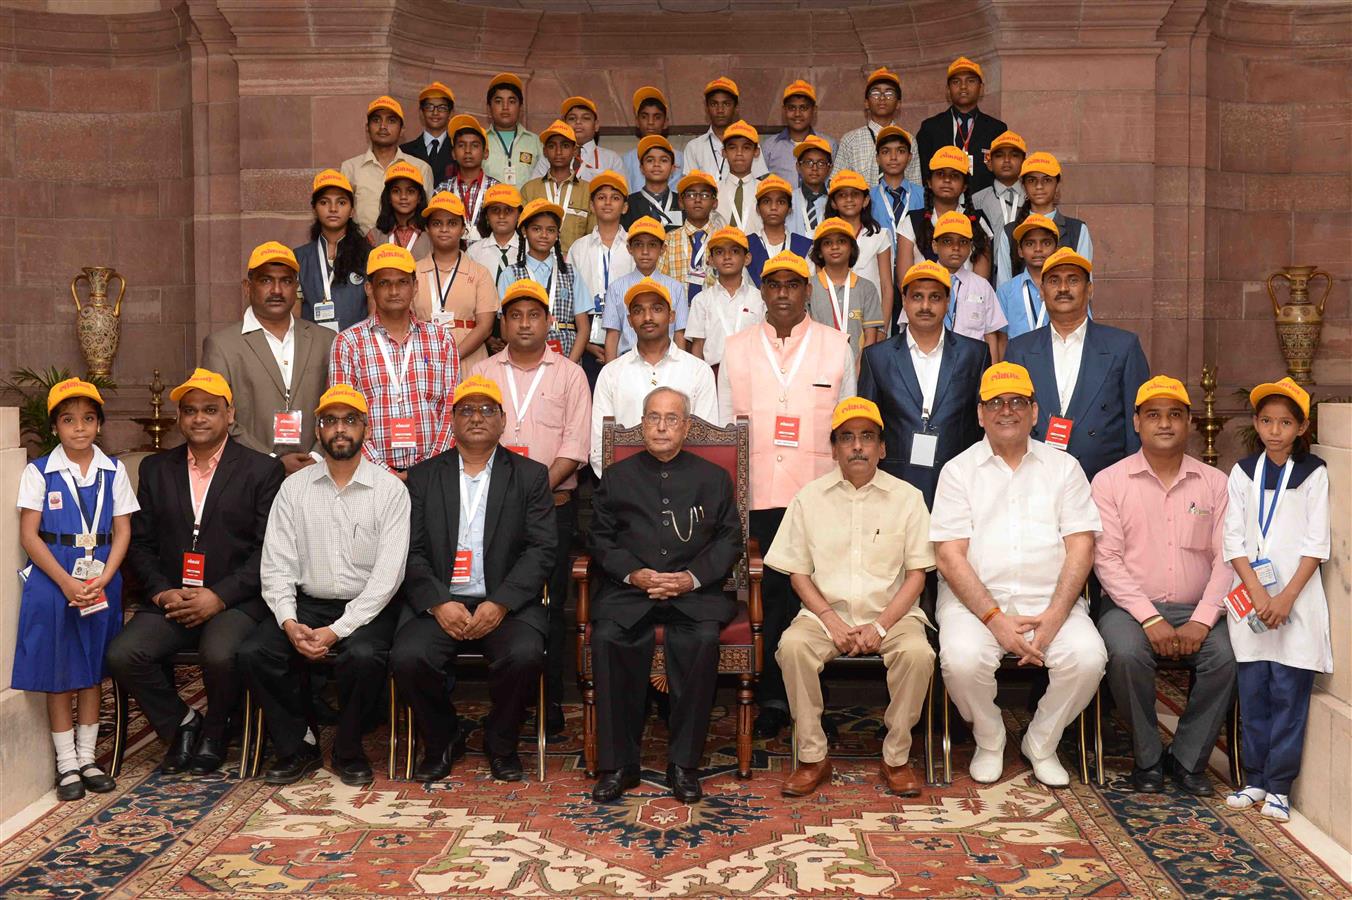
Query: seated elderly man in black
x=665, y=533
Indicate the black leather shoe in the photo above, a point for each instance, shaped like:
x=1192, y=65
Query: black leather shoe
x=1148, y=781
x=293, y=768
x=209, y=757
x=69, y=790
x=612, y=785
x=355, y=772
x=554, y=722
x=436, y=764
x=182, y=746
x=506, y=767
x=769, y=723
x=1195, y=783
x=96, y=780
x=684, y=783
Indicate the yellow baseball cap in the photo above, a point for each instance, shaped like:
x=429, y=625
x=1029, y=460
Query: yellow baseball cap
x=648, y=92
x=1006, y=378
x=771, y=183
x=330, y=178
x=927, y=270
x=812, y=142
x=1035, y=220
x=72, y=387
x=506, y=78
x=342, y=395
x=742, y=129
x=1162, y=386
x=887, y=132
x=654, y=140
x=561, y=128
x=203, y=380
x=722, y=83
x=800, y=88
x=855, y=408
x=694, y=177
x=847, y=178
x=503, y=194
x=833, y=225
x=402, y=168
x=963, y=64
x=571, y=102
x=1066, y=257
x=272, y=252
x=436, y=89
x=883, y=74
x=540, y=206
x=951, y=157
x=1286, y=388
x=786, y=261
x=649, y=226
x=1041, y=162
x=445, y=201
x=385, y=102
x=1009, y=139
x=646, y=286
x=478, y=386
x=953, y=223
x=525, y=289
x=466, y=123
x=608, y=178
x=729, y=235
x=390, y=256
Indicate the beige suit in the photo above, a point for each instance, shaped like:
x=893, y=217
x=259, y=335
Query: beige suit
x=247, y=363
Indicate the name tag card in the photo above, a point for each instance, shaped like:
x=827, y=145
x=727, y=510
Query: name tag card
x=286, y=427
x=325, y=312
x=194, y=569
x=786, y=431
x=402, y=436
x=461, y=568
x=95, y=607
x=522, y=449
x=86, y=568
x=555, y=344
x=55, y=500
x=1266, y=572
x=923, y=448
x=1058, y=433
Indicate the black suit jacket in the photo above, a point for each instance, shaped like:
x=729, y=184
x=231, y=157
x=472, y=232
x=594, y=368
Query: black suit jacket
x=887, y=377
x=442, y=165
x=937, y=131
x=520, y=540
x=631, y=530
x=234, y=520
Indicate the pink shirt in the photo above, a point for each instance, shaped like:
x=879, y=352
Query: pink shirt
x=1161, y=546
x=199, y=477
x=557, y=419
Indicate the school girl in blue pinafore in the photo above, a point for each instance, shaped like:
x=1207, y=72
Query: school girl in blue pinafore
x=1276, y=535
x=75, y=508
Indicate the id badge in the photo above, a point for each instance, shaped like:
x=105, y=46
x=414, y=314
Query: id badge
x=443, y=319
x=461, y=568
x=556, y=345
x=194, y=569
x=86, y=568
x=402, y=436
x=509, y=174
x=923, y=448
x=325, y=312
x=1266, y=572
x=55, y=500
x=1058, y=433
x=786, y=431
x=522, y=449
x=286, y=427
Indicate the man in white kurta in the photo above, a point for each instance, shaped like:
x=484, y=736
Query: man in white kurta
x=1014, y=524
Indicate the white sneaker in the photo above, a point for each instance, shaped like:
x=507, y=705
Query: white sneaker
x=1246, y=798
x=1047, y=770
x=987, y=765
x=1277, y=807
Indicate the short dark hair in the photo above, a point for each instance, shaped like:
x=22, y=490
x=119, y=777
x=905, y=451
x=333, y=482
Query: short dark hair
x=899, y=138
x=505, y=86
x=67, y=403
x=815, y=254
x=651, y=101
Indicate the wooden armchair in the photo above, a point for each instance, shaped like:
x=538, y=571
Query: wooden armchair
x=740, y=644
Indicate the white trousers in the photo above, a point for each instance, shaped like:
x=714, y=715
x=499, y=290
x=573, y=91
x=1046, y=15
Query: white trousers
x=969, y=656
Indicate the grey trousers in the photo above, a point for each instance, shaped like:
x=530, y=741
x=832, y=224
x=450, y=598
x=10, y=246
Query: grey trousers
x=1131, y=673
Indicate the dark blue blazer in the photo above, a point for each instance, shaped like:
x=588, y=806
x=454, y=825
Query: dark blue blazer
x=798, y=243
x=349, y=296
x=887, y=377
x=1112, y=368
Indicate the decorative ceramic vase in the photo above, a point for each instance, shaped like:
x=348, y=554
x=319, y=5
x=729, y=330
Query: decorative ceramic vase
x=98, y=323
x=1298, y=320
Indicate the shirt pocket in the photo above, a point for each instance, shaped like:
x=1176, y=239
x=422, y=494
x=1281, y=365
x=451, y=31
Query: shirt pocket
x=885, y=555
x=365, y=542
x=1197, y=533
x=546, y=409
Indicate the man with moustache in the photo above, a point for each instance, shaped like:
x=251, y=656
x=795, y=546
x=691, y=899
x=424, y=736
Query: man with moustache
x=334, y=554
x=1161, y=561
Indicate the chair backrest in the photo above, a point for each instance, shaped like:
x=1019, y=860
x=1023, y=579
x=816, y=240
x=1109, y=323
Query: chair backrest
x=728, y=447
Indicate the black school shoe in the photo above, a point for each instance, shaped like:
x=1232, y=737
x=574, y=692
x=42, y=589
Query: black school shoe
x=72, y=789
x=96, y=780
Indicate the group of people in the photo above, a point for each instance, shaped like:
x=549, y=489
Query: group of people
x=404, y=415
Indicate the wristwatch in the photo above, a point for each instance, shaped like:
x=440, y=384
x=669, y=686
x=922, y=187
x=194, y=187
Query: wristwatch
x=882, y=632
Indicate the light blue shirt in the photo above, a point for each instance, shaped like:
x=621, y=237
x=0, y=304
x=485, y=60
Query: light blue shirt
x=616, y=316
x=798, y=219
x=1012, y=301
x=777, y=151
x=913, y=196
x=540, y=271
x=1004, y=266
x=471, y=535
x=633, y=173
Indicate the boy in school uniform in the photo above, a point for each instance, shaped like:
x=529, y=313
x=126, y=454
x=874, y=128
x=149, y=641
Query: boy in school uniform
x=859, y=148
x=513, y=151
x=469, y=143
x=1040, y=177
x=1002, y=201
x=436, y=103
x=685, y=256
x=737, y=187
x=800, y=115
x=974, y=310
x=894, y=196
x=728, y=305
x=646, y=239
x=650, y=118
x=590, y=158
x=1021, y=296
x=656, y=197
x=705, y=152
x=773, y=204
x=814, y=164
x=962, y=124
x=601, y=257
x=561, y=185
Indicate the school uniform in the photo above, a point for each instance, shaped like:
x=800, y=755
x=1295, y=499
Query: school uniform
x=744, y=215
x=471, y=193
x=567, y=296
x=716, y=315
x=336, y=303
x=574, y=196
x=56, y=648
x=1020, y=300
x=761, y=250
x=494, y=257
x=777, y=151
x=435, y=150
x=664, y=207
x=871, y=247
x=599, y=266
x=858, y=152
x=1074, y=234
x=890, y=206
x=973, y=309
x=1277, y=666
x=510, y=162
x=633, y=171
x=973, y=132
x=705, y=153
x=806, y=212
x=1001, y=202
x=856, y=302
x=594, y=158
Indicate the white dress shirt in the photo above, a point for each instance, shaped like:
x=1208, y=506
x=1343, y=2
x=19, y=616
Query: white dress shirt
x=428, y=138
x=926, y=369
x=33, y=483
x=1066, y=355
x=745, y=217
x=599, y=267
x=283, y=349
x=716, y=315
x=705, y=152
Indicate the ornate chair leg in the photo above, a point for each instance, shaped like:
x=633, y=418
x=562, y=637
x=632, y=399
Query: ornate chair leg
x=256, y=758
x=1084, y=744
x=589, y=728
x=948, y=735
x=1101, y=765
x=746, y=694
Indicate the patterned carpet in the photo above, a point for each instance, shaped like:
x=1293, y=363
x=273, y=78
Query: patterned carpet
x=471, y=837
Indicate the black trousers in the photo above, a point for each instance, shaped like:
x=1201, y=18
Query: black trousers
x=780, y=605
x=136, y=658
x=422, y=656
x=271, y=667
x=622, y=660
x=565, y=524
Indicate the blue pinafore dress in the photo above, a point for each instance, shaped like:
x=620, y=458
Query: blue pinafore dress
x=57, y=649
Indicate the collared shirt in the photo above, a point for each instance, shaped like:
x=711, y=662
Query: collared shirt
x=200, y=476
x=974, y=310
x=424, y=393
x=1005, y=202
x=1066, y=355
x=865, y=306
x=520, y=153
x=1004, y=256
x=367, y=176
x=471, y=527
x=857, y=544
x=348, y=543
x=1021, y=302
x=858, y=152
x=808, y=210
x=1015, y=519
x=429, y=139
x=633, y=170
x=1163, y=545
x=744, y=217
x=557, y=419
x=615, y=315
x=574, y=196
x=470, y=293
x=283, y=349
x=716, y=315
x=623, y=384
x=705, y=153
x=471, y=194
x=600, y=266
x=926, y=370
x=594, y=159
x=494, y=258
x=777, y=151
x=33, y=484
x=676, y=258
x=564, y=310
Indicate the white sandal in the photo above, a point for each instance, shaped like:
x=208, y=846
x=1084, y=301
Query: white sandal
x=1249, y=796
x=1277, y=807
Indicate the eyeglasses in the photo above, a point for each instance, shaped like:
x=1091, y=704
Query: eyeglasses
x=670, y=420
x=487, y=410
x=699, y=195
x=1015, y=404
x=437, y=107
x=351, y=420
x=814, y=163
x=883, y=94
x=864, y=438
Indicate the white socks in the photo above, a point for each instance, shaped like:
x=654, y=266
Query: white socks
x=66, y=759
x=1245, y=798
x=86, y=738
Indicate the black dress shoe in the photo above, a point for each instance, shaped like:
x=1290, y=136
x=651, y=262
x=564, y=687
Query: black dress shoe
x=769, y=723
x=1148, y=781
x=1195, y=783
x=96, y=780
x=684, y=783
x=612, y=785
x=290, y=769
x=181, y=748
x=506, y=767
x=436, y=764
x=355, y=772
x=554, y=722
x=209, y=757
x=73, y=789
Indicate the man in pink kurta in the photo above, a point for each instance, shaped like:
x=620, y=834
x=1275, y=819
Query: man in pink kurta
x=787, y=374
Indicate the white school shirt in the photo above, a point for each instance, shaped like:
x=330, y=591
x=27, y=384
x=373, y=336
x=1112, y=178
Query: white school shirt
x=283, y=349
x=1067, y=352
x=705, y=152
x=589, y=258
x=33, y=484
x=1300, y=527
x=871, y=246
x=746, y=218
x=716, y=315
x=487, y=253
